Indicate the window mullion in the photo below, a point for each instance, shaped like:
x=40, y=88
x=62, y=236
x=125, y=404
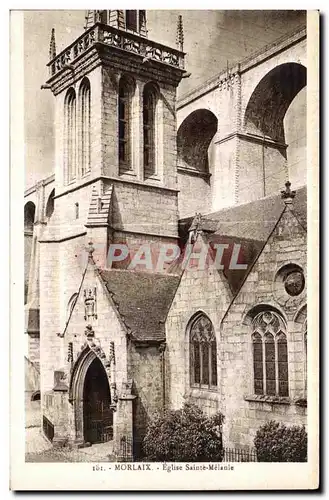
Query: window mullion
x=201, y=363
x=192, y=361
x=209, y=362
x=276, y=366
x=264, y=366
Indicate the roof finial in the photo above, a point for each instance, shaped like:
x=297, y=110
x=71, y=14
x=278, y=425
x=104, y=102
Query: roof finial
x=52, y=47
x=180, y=34
x=287, y=195
x=90, y=249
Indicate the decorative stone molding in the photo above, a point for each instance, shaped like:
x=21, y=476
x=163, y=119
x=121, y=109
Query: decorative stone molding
x=70, y=352
x=289, y=286
x=126, y=390
x=89, y=332
x=228, y=81
x=114, y=396
x=116, y=38
x=89, y=350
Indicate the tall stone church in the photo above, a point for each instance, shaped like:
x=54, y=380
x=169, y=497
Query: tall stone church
x=110, y=344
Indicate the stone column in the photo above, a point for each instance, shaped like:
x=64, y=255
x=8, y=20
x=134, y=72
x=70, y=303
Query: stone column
x=137, y=131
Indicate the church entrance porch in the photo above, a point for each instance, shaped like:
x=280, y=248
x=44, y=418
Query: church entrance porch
x=97, y=412
x=92, y=397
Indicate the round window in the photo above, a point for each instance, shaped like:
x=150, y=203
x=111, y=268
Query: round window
x=294, y=283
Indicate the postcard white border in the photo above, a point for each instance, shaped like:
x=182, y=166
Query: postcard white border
x=80, y=476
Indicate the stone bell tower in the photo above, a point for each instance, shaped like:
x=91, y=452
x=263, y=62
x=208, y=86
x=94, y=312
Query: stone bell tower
x=115, y=177
x=115, y=121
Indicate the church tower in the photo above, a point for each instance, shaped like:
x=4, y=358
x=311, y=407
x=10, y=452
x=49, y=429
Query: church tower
x=115, y=182
x=115, y=121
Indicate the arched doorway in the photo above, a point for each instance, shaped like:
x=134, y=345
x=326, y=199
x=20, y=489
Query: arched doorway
x=97, y=412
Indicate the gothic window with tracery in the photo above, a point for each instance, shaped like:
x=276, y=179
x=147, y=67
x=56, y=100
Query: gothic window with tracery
x=270, y=355
x=203, y=353
x=149, y=131
x=84, y=146
x=70, y=135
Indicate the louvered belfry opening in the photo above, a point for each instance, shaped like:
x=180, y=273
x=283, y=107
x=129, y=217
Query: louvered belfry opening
x=130, y=20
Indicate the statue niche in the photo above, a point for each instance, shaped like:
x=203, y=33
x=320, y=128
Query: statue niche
x=90, y=298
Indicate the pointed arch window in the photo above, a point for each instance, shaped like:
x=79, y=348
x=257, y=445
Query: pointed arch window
x=70, y=135
x=270, y=355
x=84, y=136
x=150, y=98
x=203, y=353
x=126, y=89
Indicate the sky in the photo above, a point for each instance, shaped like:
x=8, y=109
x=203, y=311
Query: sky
x=212, y=39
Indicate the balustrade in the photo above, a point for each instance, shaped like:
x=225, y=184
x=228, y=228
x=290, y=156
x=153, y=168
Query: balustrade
x=120, y=39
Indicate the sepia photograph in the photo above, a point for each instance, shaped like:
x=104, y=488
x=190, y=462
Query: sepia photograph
x=168, y=188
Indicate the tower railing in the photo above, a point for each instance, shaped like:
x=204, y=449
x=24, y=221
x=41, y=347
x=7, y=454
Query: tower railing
x=119, y=39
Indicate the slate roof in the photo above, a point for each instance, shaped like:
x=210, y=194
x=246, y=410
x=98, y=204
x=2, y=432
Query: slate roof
x=249, y=225
x=249, y=251
x=142, y=299
x=254, y=220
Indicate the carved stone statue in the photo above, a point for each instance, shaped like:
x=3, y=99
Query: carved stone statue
x=90, y=303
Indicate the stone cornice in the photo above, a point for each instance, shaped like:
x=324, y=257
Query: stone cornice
x=255, y=139
x=116, y=180
x=145, y=233
x=189, y=171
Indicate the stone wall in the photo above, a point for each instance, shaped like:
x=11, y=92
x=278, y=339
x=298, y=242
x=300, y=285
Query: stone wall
x=199, y=290
x=144, y=209
x=34, y=348
x=244, y=414
x=207, y=291
x=145, y=368
x=194, y=194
